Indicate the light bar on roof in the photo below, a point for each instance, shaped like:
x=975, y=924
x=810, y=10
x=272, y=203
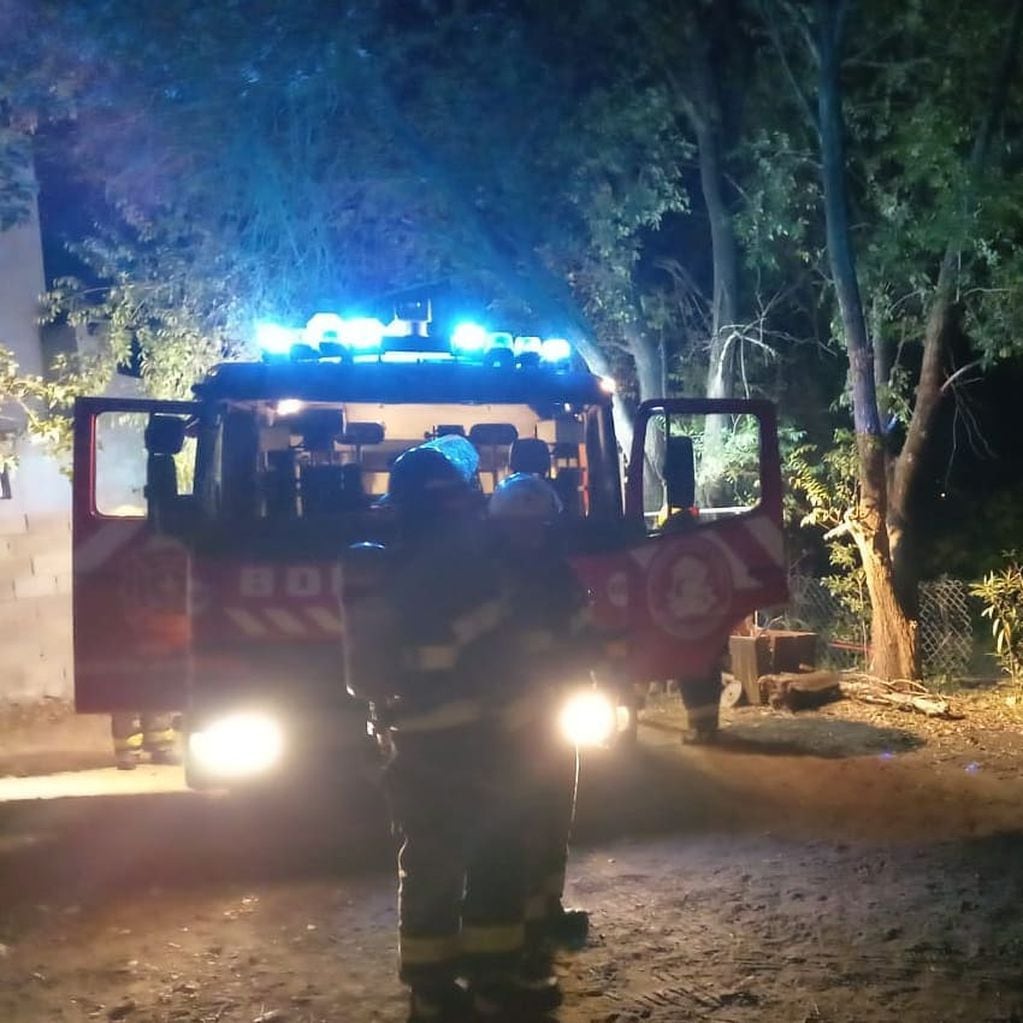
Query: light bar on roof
x=364, y=336
x=470, y=338
x=274, y=339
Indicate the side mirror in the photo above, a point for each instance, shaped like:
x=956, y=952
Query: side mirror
x=165, y=435
x=164, y=438
x=680, y=472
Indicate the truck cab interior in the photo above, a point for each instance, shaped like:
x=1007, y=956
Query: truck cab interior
x=305, y=462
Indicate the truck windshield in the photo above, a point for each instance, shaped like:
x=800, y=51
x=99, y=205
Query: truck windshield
x=292, y=460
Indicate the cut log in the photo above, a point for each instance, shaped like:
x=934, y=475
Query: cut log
x=799, y=690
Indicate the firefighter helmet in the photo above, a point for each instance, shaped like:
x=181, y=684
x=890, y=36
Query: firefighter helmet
x=525, y=498
x=423, y=477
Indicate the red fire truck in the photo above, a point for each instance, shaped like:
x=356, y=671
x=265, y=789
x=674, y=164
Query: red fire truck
x=209, y=534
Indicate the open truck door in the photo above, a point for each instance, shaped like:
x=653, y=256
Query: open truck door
x=132, y=641
x=704, y=511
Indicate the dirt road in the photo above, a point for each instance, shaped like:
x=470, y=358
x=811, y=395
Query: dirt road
x=838, y=867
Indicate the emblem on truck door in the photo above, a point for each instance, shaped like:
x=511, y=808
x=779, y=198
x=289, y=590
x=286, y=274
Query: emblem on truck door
x=689, y=588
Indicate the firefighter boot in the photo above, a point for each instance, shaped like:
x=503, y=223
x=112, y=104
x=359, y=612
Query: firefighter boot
x=439, y=1003
x=568, y=928
x=524, y=995
x=158, y=738
x=169, y=757
x=700, y=702
x=126, y=760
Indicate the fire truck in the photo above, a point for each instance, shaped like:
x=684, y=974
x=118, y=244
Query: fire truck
x=210, y=536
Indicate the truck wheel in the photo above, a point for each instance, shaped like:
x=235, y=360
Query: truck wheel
x=195, y=777
x=629, y=737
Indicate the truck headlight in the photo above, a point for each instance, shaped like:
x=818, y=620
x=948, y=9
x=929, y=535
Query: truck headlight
x=237, y=745
x=588, y=718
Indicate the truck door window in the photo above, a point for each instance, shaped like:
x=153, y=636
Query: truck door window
x=725, y=461
x=121, y=464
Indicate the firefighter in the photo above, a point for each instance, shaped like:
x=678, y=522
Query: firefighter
x=421, y=650
x=556, y=649
x=134, y=733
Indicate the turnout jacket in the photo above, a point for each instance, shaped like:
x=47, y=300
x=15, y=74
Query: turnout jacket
x=422, y=630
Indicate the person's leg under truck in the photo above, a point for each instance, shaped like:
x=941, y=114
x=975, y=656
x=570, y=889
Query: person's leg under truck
x=126, y=732
x=432, y=799
x=701, y=700
x=552, y=812
x=493, y=920
x=158, y=734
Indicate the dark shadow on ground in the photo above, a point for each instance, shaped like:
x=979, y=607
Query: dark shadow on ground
x=89, y=847
x=812, y=735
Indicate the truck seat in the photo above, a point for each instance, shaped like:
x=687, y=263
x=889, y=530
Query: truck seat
x=530, y=455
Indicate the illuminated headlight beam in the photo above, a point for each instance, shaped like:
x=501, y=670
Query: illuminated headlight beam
x=588, y=718
x=237, y=745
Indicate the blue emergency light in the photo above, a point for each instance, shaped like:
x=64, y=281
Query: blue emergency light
x=273, y=339
x=470, y=339
x=362, y=337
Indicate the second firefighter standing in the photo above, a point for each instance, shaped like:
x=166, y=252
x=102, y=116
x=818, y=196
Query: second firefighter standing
x=430, y=647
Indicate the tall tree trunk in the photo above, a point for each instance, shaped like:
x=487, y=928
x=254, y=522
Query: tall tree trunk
x=894, y=650
x=651, y=383
x=706, y=116
x=724, y=249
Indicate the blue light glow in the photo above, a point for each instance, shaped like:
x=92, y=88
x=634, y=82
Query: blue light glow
x=470, y=337
x=275, y=339
x=555, y=349
x=323, y=327
x=361, y=333
x=527, y=344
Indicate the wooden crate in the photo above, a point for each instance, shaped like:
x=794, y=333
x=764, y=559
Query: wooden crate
x=751, y=658
x=791, y=651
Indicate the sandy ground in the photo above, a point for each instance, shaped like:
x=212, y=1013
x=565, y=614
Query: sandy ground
x=846, y=865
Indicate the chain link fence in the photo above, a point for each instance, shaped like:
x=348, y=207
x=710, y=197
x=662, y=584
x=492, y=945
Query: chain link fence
x=946, y=624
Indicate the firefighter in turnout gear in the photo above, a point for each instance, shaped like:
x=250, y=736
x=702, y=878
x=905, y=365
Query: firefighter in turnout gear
x=555, y=649
x=422, y=648
x=151, y=733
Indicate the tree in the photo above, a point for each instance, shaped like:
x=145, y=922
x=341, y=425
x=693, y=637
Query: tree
x=952, y=272
x=304, y=158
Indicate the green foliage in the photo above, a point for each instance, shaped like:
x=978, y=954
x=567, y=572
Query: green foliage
x=36, y=86
x=1001, y=592
x=46, y=403
x=824, y=489
x=309, y=158
x=161, y=313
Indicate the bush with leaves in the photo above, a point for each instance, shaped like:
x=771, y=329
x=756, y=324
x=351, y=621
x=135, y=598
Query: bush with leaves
x=1001, y=592
x=823, y=483
x=46, y=405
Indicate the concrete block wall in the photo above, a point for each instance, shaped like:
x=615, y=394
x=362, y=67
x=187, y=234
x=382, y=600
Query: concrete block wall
x=35, y=524
x=35, y=583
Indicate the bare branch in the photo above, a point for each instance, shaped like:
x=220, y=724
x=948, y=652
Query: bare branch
x=842, y=529
x=950, y=380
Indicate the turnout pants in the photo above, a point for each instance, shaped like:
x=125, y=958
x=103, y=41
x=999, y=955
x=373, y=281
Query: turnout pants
x=461, y=865
x=550, y=806
x=133, y=733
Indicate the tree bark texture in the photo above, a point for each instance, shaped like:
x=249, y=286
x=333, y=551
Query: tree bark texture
x=894, y=649
x=707, y=117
